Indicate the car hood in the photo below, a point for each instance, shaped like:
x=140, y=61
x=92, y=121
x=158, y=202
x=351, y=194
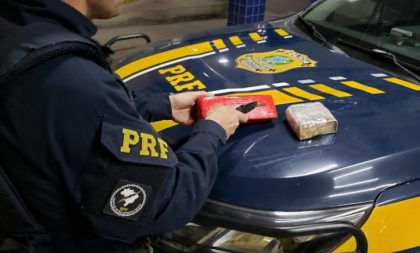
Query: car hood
x=264, y=166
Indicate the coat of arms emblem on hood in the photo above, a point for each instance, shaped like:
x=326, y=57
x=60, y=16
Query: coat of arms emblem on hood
x=273, y=62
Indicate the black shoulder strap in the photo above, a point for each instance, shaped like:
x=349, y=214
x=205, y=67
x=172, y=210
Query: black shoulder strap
x=22, y=47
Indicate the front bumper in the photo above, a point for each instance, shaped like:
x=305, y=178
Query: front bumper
x=329, y=228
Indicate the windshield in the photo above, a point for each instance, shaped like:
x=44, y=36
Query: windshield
x=390, y=25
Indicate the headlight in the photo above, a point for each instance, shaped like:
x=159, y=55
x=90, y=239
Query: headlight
x=243, y=242
x=216, y=238
x=196, y=238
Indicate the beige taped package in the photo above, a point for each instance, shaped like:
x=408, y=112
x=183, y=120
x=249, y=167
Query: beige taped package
x=310, y=119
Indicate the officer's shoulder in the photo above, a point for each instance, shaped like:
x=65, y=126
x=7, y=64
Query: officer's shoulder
x=77, y=66
x=68, y=73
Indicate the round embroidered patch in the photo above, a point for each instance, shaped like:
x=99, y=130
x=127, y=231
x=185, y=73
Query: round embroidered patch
x=128, y=200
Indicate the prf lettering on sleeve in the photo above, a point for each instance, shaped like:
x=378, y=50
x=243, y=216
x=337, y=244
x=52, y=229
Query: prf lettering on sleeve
x=149, y=145
x=181, y=79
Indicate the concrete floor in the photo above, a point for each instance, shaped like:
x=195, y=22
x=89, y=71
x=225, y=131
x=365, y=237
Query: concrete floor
x=127, y=23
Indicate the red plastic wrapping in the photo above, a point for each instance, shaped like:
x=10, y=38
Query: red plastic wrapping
x=263, y=106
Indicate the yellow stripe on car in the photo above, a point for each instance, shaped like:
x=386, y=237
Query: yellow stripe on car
x=390, y=228
x=362, y=87
x=326, y=89
x=153, y=60
x=403, y=83
x=303, y=94
x=279, y=98
x=163, y=124
x=236, y=41
x=219, y=44
x=281, y=32
x=255, y=37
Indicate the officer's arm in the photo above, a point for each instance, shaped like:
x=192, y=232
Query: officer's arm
x=126, y=179
x=191, y=181
x=170, y=191
x=153, y=107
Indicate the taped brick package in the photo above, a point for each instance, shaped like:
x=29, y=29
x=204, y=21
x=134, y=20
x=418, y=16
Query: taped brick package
x=310, y=119
x=257, y=107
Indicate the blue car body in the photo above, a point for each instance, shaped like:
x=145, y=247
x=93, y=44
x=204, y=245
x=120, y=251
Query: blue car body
x=372, y=159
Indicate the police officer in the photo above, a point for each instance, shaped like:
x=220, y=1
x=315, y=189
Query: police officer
x=77, y=145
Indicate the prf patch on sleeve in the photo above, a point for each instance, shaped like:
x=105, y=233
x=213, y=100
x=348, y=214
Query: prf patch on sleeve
x=135, y=141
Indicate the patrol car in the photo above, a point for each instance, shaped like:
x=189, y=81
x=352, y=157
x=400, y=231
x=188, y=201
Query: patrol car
x=356, y=190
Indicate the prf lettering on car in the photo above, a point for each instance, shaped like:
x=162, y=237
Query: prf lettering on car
x=148, y=144
x=181, y=79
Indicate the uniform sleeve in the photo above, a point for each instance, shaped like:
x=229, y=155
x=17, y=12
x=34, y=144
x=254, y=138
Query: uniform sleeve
x=196, y=160
x=153, y=107
x=124, y=177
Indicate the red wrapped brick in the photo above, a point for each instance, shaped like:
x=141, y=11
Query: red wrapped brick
x=257, y=107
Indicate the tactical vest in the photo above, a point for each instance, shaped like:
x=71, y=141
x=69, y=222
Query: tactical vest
x=21, y=48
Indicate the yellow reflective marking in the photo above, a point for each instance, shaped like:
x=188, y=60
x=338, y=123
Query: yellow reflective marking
x=197, y=84
x=255, y=37
x=359, y=86
x=179, y=69
x=181, y=78
x=219, y=44
x=235, y=40
x=279, y=97
x=281, y=32
x=163, y=124
x=326, y=89
x=150, y=61
x=303, y=94
x=403, y=83
x=390, y=228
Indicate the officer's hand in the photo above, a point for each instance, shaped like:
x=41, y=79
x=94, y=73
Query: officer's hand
x=227, y=117
x=182, y=103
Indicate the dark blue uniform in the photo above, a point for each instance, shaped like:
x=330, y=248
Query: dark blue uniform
x=77, y=145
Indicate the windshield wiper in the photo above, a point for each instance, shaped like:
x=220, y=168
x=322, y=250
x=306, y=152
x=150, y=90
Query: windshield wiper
x=394, y=58
x=381, y=52
x=316, y=34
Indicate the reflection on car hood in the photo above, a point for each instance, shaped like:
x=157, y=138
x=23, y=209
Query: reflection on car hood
x=264, y=166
